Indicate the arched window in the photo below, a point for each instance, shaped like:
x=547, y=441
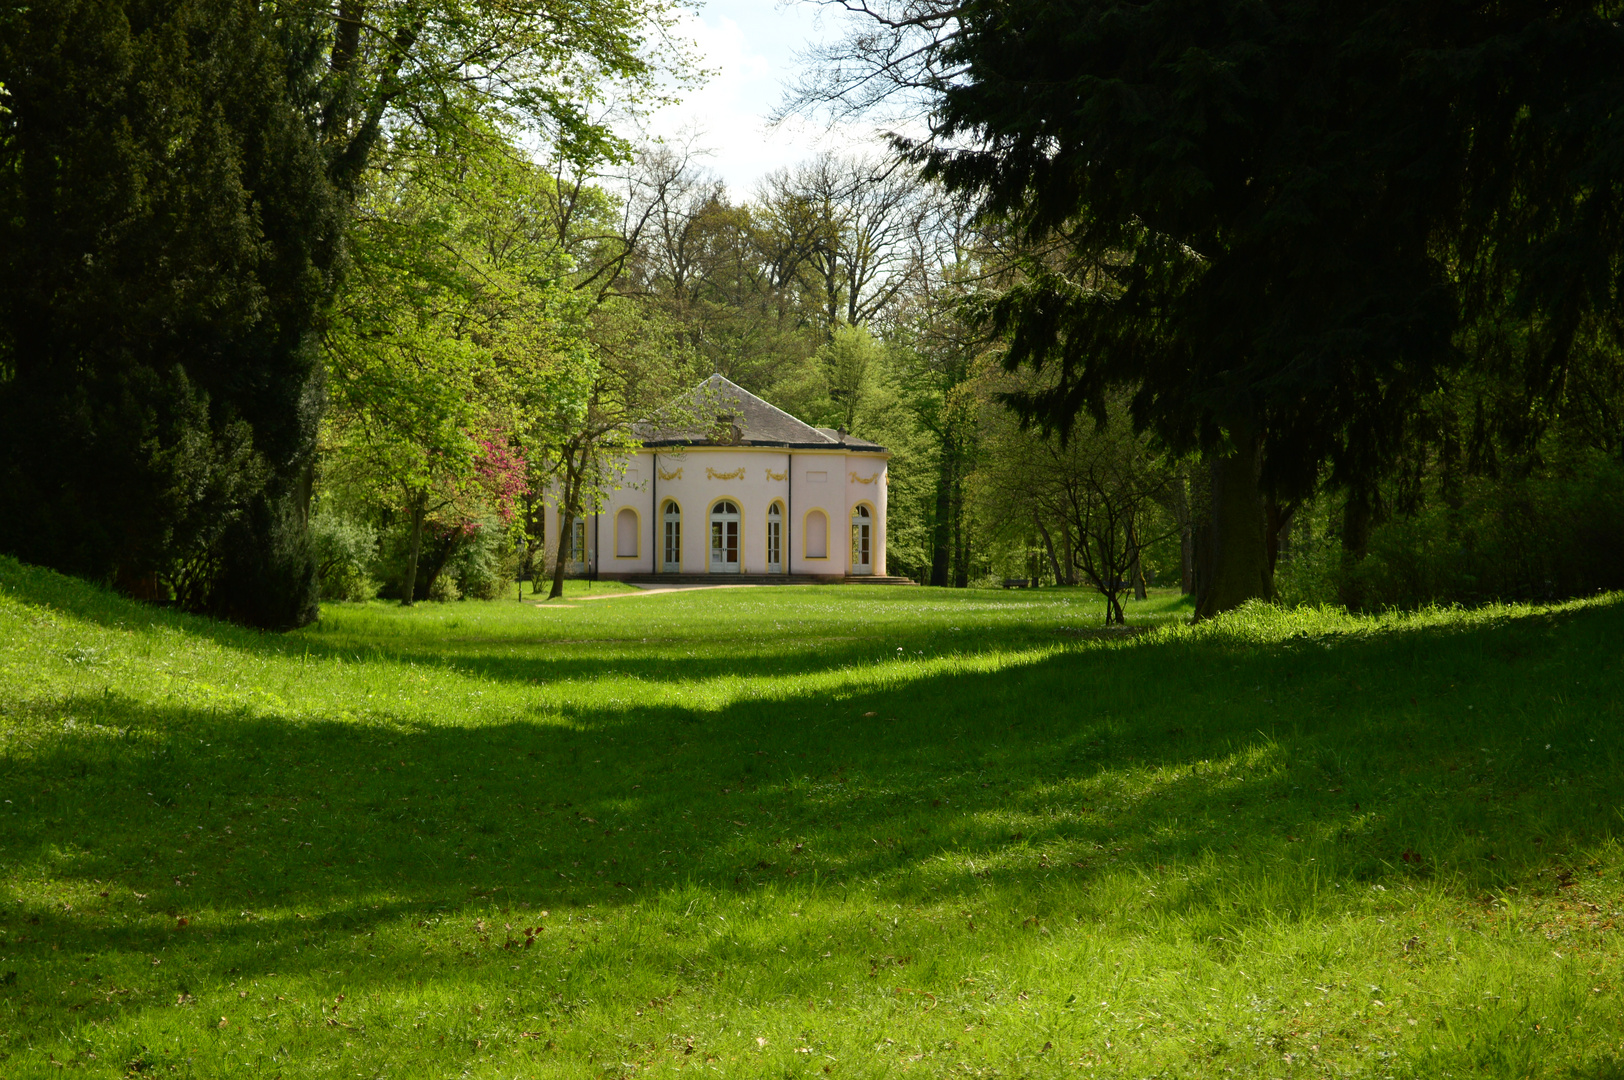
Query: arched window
x=862, y=541
x=775, y=538
x=724, y=537
x=626, y=533
x=817, y=535
x=673, y=536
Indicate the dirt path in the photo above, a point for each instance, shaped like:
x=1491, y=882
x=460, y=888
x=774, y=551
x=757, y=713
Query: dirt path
x=642, y=590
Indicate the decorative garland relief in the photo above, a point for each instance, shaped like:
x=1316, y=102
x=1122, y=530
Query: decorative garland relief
x=864, y=479
x=671, y=475
x=736, y=474
x=777, y=475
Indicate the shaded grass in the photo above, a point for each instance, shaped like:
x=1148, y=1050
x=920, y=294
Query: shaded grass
x=869, y=831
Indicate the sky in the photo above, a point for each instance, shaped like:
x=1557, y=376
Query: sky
x=751, y=44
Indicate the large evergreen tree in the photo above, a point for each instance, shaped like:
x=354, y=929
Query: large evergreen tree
x=167, y=235
x=1276, y=222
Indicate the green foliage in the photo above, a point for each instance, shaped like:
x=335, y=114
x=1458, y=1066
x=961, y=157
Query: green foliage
x=1285, y=232
x=1556, y=534
x=1189, y=850
x=485, y=566
x=473, y=559
x=889, y=419
x=174, y=176
x=167, y=234
x=346, y=553
x=488, y=567
x=1083, y=508
x=445, y=66
x=1288, y=230
x=455, y=334
x=851, y=361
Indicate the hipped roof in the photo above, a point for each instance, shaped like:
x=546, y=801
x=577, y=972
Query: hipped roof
x=758, y=423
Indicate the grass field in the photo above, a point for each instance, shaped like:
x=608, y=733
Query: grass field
x=842, y=831
x=574, y=589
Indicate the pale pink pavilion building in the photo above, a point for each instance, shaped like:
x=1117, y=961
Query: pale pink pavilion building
x=764, y=495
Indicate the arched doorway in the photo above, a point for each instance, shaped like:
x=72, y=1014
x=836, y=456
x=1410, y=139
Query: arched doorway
x=862, y=541
x=775, y=539
x=724, y=538
x=672, y=547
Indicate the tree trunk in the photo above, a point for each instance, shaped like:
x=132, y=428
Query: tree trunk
x=941, y=538
x=566, y=526
x=961, y=543
x=1136, y=565
x=1357, y=515
x=431, y=567
x=1278, y=531
x=566, y=519
x=1236, y=557
x=1181, y=514
x=408, y=586
x=1048, y=542
x=1200, y=507
x=346, y=35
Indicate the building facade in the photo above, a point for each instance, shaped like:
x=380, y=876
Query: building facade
x=760, y=493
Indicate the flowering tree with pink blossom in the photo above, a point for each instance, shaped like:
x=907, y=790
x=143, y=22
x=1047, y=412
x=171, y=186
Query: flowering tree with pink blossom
x=450, y=327
x=504, y=475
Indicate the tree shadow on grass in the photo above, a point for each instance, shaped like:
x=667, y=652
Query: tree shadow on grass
x=1247, y=781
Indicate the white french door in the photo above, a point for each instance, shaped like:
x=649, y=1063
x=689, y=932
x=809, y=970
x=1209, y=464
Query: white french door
x=724, y=538
x=862, y=541
x=672, y=552
x=775, y=539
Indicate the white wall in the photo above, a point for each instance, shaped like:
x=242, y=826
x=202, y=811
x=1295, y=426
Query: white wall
x=752, y=478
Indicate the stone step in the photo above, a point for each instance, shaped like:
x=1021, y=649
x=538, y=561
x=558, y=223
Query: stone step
x=757, y=579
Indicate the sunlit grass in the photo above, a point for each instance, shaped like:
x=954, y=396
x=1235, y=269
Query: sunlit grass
x=574, y=589
x=849, y=831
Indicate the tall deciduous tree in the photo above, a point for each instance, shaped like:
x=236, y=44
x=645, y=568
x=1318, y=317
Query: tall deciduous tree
x=939, y=353
x=632, y=367
x=453, y=330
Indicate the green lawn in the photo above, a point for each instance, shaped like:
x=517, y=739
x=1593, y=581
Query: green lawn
x=839, y=830
x=574, y=588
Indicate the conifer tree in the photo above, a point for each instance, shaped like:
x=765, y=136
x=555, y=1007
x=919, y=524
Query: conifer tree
x=1277, y=223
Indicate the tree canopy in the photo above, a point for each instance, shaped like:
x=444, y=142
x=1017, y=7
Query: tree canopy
x=175, y=185
x=167, y=236
x=1280, y=226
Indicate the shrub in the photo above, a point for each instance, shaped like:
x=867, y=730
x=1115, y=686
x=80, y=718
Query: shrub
x=472, y=560
x=1538, y=538
x=444, y=589
x=346, y=554
x=485, y=565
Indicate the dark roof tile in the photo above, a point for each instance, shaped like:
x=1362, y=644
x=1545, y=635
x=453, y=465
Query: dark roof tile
x=758, y=423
